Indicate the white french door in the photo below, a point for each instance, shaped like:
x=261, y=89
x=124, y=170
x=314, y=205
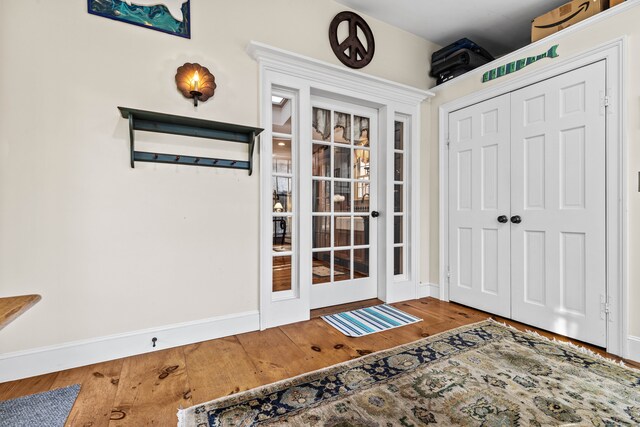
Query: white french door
x=478, y=204
x=558, y=183
x=344, y=197
x=527, y=205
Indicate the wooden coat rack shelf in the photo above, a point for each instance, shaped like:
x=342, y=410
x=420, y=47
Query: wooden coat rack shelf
x=12, y=307
x=150, y=121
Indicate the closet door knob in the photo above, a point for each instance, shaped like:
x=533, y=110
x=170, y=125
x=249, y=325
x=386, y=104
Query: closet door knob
x=502, y=219
x=516, y=219
x=375, y=214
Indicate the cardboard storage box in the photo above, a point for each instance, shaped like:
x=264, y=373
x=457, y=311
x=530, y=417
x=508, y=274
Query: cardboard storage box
x=615, y=2
x=565, y=16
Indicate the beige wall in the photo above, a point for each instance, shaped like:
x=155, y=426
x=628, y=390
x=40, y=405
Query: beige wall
x=572, y=44
x=113, y=249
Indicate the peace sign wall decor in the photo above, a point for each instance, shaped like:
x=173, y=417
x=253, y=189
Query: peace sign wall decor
x=351, y=51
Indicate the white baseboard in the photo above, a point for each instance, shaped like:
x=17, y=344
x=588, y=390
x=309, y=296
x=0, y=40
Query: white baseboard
x=633, y=348
x=428, y=290
x=44, y=360
x=423, y=290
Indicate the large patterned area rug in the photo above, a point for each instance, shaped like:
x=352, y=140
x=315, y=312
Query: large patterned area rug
x=484, y=374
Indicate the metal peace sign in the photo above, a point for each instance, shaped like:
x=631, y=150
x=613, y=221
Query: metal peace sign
x=351, y=51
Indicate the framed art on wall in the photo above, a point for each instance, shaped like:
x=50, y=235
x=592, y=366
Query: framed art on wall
x=169, y=16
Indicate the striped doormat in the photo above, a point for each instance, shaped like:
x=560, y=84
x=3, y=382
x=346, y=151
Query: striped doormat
x=366, y=321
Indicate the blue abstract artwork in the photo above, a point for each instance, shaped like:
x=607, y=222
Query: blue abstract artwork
x=168, y=16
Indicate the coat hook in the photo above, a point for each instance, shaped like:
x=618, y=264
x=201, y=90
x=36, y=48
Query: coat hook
x=233, y=163
x=215, y=162
x=177, y=158
x=197, y=160
x=155, y=157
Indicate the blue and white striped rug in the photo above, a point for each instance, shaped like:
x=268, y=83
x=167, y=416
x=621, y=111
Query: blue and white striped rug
x=366, y=321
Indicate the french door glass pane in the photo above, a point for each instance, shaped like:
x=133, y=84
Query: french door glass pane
x=342, y=266
x=282, y=169
x=281, y=115
x=321, y=268
x=399, y=207
x=281, y=155
x=360, y=263
x=399, y=136
x=361, y=198
x=282, y=201
x=321, y=160
x=342, y=163
x=361, y=164
x=342, y=128
x=321, y=125
x=399, y=167
x=341, y=196
x=398, y=265
x=361, y=231
x=281, y=273
x=361, y=135
x=342, y=231
x=282, y=228
x=397, y=229
x=321, y=232
x=398, y=197
x=321, y=196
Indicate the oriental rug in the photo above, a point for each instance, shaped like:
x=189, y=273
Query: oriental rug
x=485, y=374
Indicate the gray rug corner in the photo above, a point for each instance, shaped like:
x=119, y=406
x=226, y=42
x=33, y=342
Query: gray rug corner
x=47, y=409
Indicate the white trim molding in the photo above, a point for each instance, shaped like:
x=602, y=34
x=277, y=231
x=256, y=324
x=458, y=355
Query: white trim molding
x=306, y=78
x=633, y=348
x=28, y=363
x=614, y=53
x=429, y=290
x=319, y=73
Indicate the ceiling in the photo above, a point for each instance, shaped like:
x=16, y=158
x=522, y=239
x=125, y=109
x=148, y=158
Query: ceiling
x=500, y=26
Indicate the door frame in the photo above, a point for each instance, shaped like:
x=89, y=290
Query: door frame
x=305, y=77
x=613, y=53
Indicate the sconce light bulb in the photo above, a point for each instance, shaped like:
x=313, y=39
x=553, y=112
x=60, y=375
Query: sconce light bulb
x=196, y=80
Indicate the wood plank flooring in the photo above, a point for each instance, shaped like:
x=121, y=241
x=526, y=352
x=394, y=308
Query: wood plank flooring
x=148, y=389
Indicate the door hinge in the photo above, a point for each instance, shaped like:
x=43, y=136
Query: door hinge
x=448, y=275
x=606, y=101
x=605, y=306
x=448, y=142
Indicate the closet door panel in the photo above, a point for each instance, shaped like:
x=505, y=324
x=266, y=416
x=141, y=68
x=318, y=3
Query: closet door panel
x=558, y=190
x=478, y=194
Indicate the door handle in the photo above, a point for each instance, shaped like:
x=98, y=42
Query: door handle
x=375, y=214
x=516, y=219
x=502, y=219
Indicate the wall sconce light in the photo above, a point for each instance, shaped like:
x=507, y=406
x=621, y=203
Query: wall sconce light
x=195, y=81
x=278, y=207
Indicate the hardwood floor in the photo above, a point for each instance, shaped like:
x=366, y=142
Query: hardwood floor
x=148, y=389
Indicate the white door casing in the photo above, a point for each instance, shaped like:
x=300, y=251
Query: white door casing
x=479, y=193
x=558, y=264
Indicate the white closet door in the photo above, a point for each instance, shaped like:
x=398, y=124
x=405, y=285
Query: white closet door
x=479, y=194
x=558, y=191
